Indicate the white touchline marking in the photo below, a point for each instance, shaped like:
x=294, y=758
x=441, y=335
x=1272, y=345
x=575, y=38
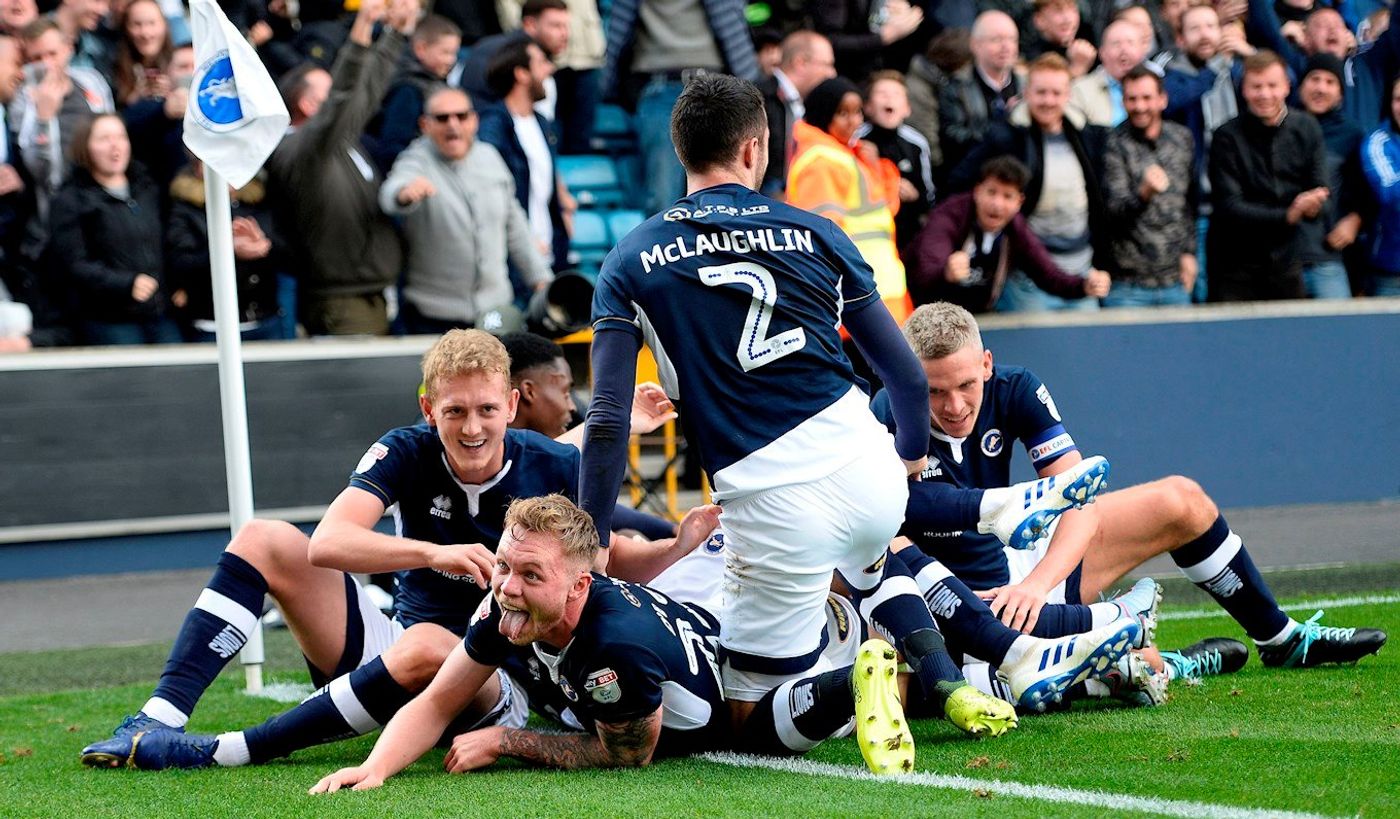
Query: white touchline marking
x=1044, y=793
x=1333, y=603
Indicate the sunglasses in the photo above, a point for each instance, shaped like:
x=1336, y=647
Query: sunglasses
x=460, y=116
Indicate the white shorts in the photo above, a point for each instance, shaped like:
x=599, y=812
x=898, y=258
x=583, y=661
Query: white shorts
x=696, y=578
x=783, y=545
x=1021, y=563
x=845, y=631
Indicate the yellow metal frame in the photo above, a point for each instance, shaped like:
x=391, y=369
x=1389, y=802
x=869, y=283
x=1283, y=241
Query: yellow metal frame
x=647, y=371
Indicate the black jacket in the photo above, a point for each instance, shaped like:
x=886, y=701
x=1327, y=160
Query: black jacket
x=1255, y=173
x=100, y=242
x=187, y=251
x=1027, y=143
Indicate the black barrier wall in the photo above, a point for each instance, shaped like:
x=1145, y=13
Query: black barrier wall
x=1297, y=406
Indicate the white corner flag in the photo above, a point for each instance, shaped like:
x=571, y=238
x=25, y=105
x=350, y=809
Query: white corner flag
x=235, y=116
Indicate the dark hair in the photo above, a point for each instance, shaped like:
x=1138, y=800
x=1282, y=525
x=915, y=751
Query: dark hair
x=78, y=150
x=950, y=50
x=433, y=28
x=500, y=69
x=129, y=60
x=293, y=85
x=528, y=351
x=823, y=101
x=1262, y=60
x=1005, y=169
x=534, y=8
x=1141, y=71
x=713, y=118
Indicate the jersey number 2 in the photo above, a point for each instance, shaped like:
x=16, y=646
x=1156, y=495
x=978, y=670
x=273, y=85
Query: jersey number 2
x=756, y=348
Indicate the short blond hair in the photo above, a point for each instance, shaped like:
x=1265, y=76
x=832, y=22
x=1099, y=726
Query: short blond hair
x=940, y=329
x=557, y=517
x=460, y=352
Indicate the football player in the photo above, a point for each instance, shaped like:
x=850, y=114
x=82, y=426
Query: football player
x=978, y=409
x=449, y=483
x=640, y=668
x=739, y=298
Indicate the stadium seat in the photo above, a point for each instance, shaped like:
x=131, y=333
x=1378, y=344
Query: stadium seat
x=621, y=223
x=590, y=243
x=612, y=131
x=592, y=180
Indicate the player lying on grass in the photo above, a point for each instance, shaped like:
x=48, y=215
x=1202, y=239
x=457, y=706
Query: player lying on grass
x=640, y=669
x=977, y=411
x=451, y=481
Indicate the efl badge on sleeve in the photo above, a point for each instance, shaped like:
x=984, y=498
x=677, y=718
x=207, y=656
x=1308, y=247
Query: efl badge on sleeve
x=602, y=686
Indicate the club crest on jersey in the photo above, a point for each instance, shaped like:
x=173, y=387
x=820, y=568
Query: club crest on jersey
x=933, y=470
x=602, y=686
x=483, y=609
x=375, y=453
x=568, y=690
x=442, y=507
x=992, y=443
x=715, y=544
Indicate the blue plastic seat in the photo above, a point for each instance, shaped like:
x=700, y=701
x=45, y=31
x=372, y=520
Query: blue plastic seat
x=622, y=222
x=592, y=180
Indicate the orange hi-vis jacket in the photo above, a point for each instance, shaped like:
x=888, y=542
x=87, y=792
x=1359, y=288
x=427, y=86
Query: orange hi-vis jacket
x=830, y=179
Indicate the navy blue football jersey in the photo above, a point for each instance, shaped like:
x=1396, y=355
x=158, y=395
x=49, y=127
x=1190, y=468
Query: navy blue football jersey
x=739, y=297
x=634, y=650
x=408, y=468
x=1015, y=407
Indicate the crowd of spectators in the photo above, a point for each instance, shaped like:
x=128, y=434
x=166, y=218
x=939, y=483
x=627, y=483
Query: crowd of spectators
x=1003, y=154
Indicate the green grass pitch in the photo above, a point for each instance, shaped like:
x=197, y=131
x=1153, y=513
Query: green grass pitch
x=1323, y=741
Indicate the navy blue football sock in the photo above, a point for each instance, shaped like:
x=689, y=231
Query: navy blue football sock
x=215, y=629
x=797, y=715
x=894, y=608
x=349, y=706
x=1062, y=620
x=1219, y=564
x=959, y=613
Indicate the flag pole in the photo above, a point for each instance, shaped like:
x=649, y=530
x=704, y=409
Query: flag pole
x=232, y=397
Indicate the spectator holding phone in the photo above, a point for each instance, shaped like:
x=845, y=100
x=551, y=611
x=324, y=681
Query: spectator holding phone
x=143, y=54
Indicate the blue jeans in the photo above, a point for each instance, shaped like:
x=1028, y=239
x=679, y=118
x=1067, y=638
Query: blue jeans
x=153, y=331
x=1326, y=280
x=1134, y=295
x=1198, y=293
x=1021, y=295
x=664, y=174
x=1385, y=285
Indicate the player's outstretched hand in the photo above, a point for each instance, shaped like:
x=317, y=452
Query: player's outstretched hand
x=466, y=560
x=696, y=527
x=473, y=750
x=650, y=408
x=356, y=779
x=1018, y=606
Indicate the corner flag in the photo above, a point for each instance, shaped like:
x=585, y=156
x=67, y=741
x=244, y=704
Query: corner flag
x=235, y=116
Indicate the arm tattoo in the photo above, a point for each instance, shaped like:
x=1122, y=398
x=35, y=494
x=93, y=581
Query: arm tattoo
x=624, y=744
